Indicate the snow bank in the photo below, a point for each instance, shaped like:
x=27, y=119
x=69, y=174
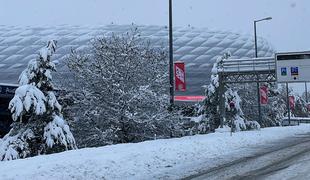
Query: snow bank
x=166, y=158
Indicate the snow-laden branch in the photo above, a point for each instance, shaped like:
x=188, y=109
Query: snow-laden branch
x=27, y=97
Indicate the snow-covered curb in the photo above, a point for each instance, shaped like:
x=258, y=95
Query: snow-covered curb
x=166, y=159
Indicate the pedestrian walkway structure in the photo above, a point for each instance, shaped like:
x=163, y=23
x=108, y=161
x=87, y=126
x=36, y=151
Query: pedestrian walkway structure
x=248, y=70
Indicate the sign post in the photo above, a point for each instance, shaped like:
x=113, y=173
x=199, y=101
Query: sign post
x=288, y=105
x=179, y=73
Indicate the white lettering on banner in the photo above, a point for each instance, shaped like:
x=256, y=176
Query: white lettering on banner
x=179, y=74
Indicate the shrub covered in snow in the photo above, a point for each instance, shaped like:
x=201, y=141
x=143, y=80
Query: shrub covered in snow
x=119, y=92
x=39, y=126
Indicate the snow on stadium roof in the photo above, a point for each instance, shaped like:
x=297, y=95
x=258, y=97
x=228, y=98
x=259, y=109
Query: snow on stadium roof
x=197, y=47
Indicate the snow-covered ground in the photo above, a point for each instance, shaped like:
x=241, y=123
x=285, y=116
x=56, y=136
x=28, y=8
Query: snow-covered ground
x=165, y=159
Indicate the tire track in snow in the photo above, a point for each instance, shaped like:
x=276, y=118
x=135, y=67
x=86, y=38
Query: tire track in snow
x=268, y=160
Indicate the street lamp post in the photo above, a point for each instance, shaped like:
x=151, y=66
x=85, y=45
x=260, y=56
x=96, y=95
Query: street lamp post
x=255, y=39
x=257, y=83
x=171, y=56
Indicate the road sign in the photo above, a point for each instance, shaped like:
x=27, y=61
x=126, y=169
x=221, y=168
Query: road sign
x=179, y=73
x=294, y=71
x=283, y=71
x=293, y=67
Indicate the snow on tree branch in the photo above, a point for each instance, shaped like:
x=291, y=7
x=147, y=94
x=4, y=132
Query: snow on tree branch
x=57, y=131
x=42, y=128
x=27, y=97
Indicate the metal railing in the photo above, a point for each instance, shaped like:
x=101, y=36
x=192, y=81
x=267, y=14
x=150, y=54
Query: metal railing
x=246, y=65
x=295, y=120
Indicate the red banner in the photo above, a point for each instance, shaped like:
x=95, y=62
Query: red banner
x=263, y=95
x=179, y=76
x=292, y=102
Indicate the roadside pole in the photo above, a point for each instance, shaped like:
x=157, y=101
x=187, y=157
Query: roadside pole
x=222, y=101
x=306, y=89
x=171, y=57
x=288, y=105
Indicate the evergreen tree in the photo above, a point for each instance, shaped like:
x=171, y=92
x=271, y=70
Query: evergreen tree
x=300, y=108
x=38, y=126
x=210, y=106
x=275, y=110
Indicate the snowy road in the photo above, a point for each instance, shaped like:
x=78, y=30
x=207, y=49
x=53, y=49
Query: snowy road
x=246, y=154
x=288, y=159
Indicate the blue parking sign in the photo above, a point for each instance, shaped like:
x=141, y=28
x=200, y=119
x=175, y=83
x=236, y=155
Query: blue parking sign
x=283, y=71
x=294, y=71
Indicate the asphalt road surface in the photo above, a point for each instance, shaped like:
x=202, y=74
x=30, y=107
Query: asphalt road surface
x=264, y=163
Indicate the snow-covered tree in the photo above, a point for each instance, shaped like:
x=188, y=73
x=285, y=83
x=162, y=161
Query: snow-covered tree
x=305, y=95
x=275, y=110
x=120, y=89
x=210, y=105
x=300, y=109
x=38, y=126
x=272, y=112
x=300, y=104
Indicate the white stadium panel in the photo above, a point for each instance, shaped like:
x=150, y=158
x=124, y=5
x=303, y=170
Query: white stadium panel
x=198, y=47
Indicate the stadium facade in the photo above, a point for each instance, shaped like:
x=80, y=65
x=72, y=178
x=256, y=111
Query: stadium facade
x=197, y=47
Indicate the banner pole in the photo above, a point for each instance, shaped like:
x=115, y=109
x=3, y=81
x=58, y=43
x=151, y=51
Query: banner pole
x=288, y=105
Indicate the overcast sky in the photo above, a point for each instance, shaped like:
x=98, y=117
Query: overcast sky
x=287, y=31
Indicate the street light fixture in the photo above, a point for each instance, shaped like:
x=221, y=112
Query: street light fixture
x=255, y=38
x=257, y=83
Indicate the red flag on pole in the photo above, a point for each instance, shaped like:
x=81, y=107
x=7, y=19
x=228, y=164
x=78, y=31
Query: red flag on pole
x=179, y=76
x=263, y=95
x=292, y=102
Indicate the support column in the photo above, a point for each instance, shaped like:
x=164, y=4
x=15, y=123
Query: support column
x=288, y=105
x=306, y=89
x=171, y=57
x=222, y=101
x=258, y=102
